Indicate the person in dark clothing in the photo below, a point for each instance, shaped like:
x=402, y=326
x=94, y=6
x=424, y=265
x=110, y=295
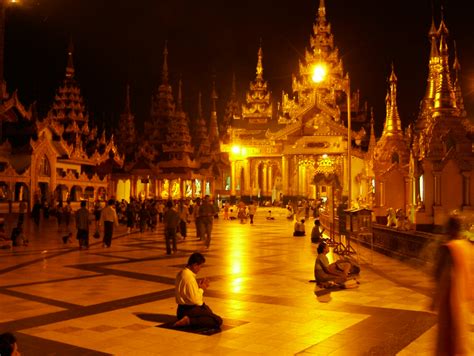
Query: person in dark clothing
x=317, y=233
x=35, y=212
x=82, y=225
x=171, y=221
x=8, y=345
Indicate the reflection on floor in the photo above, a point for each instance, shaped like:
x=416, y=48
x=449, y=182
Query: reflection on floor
x=61, y=300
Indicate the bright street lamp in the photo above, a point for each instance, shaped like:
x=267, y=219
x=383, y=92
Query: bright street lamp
x=319, y=73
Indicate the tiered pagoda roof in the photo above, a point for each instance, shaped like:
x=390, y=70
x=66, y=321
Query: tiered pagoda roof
x=258, y=108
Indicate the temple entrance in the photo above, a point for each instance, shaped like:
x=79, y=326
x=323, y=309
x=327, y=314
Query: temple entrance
x=76, y=193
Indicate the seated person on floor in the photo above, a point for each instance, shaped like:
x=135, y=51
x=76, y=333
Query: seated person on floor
x=189, y=295
x=338, y=272
x=67, y=238
x=18, y=238
x=299, y=228
x=317, y=233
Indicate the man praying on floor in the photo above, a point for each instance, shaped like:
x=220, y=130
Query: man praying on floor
x=189, y=296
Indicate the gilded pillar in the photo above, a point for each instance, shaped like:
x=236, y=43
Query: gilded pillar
x=256, y=183
x=437, y=188
x=264, y=180
x=247, y=190
x=232, y=178
x=295, y=175
x=270, y=180
x=284, y=174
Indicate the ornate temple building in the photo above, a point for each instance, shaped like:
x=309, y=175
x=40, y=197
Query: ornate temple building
x=317, y=142
x=56, y=158
x=431, y=163
x=168, y=162
x=299, y=150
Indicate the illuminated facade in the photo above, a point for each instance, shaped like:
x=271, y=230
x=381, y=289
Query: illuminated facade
x=275, y=153
x=170, y=161
x=426, y=170
x=56, y=158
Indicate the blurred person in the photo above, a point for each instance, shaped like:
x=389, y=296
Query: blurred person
x=299, y=228
x=316, y=232
x=8, y=345
x=252, y=210
x=454, y=292
x=184, y=217
x=206, y=217
x=108, y=218
x=82, y=225
x=67, y=212
x=36, y=212
x=171, y=222
x=337, y=273
x=18, y=237
x=189, y=296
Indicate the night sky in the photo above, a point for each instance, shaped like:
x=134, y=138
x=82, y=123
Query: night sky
x=119, y=42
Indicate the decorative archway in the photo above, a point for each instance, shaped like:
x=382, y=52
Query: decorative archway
x=61, y=193
x=76, y=193
x=89, y=193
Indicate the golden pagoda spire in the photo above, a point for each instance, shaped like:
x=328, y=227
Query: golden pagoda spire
x=457, y=81
x=393, y=125
x=444, y=97
x=322, y=10
x=70, y=65
x=201, y=139
x=165, y=64
x=213, y=128
x=126, y=133
x=427, y=102
x=259, y=63
x=372, y=140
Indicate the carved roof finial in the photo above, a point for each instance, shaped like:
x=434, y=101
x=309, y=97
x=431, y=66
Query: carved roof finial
x=259, y=62
x=70, y=64
x=165, y=64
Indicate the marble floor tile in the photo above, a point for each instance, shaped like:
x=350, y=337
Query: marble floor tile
x=111, y=301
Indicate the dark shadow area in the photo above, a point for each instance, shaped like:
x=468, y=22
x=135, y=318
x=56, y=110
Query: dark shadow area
x=157, y=318
x=193, y=330
x=169, y=320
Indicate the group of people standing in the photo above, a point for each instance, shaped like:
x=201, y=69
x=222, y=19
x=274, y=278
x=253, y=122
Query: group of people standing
x=176, y=217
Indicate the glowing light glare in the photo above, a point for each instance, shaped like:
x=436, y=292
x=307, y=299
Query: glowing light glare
x=325, y=156
x=14, y=1
x=319, y=73
x=236, y=149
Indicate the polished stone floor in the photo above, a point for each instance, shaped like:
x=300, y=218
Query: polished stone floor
x=60, y=300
